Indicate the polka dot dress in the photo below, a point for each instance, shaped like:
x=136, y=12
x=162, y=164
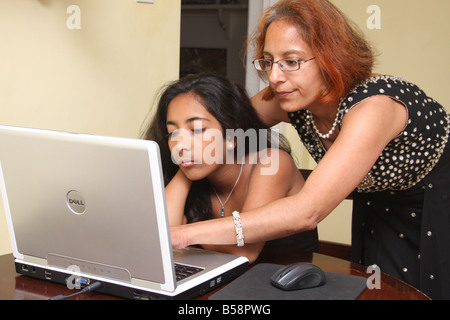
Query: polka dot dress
x=401, y=211
x=412, y=155
x=407, y=159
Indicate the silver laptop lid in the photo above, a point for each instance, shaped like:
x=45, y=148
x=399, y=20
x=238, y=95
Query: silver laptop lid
x=96, y=202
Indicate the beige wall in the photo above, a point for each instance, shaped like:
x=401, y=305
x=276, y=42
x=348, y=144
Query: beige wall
x=99, y=79
x=412, y=43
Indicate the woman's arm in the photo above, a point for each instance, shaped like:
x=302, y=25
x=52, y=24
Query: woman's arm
x=284, y=179
x=269, y=110
x=177, y=191
x=365, y=132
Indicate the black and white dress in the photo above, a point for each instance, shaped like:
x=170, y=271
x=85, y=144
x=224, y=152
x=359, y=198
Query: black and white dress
x=401, y=210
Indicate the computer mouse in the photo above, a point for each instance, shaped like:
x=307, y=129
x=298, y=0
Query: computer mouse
x=296, y=276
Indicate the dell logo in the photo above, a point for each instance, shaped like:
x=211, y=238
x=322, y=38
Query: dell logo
x=75, y=202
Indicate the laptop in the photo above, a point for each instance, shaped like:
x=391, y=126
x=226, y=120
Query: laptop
x=84, y=208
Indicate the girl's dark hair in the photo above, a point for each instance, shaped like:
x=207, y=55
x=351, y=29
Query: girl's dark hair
x=229, y=103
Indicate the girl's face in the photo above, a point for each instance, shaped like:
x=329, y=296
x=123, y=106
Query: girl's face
x=299, y=89
x=195, y=137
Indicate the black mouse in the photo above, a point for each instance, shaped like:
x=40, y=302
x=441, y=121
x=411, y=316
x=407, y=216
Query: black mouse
x=301, y=275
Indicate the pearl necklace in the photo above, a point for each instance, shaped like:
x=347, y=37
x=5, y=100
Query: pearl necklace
x=229, y=195
x=325, y=136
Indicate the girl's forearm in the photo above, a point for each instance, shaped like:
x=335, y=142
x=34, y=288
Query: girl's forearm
x=176, y=194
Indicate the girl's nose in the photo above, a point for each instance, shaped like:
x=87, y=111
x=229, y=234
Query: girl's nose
x=183, y=145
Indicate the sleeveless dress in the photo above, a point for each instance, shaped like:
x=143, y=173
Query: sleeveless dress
x=401, y=210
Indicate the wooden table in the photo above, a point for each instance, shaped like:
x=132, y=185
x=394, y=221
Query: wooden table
x=390, y=288
x=17, y=287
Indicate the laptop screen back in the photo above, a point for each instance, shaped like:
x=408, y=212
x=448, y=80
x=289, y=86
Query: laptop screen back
x=97, y=202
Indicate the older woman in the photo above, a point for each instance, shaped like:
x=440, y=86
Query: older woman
x=377, y=134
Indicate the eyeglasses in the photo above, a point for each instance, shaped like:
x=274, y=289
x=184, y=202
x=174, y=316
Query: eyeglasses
x=284, y=64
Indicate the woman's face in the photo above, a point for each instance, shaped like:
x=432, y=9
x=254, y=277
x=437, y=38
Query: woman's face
x=299, y=89
x=195, y=137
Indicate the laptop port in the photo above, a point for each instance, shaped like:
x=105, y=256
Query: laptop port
x=139, y=295
x=85, y=281
x=47, y=275
x=27, y=268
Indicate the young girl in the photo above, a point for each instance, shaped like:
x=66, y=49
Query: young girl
x=209, y=170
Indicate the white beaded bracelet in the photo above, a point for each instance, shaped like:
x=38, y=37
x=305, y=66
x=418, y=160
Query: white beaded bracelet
x=238, y=227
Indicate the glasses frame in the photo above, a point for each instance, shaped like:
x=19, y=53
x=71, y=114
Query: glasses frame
x=280, y=65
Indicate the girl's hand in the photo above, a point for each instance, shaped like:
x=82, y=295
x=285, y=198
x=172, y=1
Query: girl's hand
x=178, y=236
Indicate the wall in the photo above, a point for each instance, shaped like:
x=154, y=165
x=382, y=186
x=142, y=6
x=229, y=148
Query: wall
x=94, y=72
x=412, y=43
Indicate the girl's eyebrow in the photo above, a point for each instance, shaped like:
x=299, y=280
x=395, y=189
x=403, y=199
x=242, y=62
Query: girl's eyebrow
x=188, y=120
x=195, y=119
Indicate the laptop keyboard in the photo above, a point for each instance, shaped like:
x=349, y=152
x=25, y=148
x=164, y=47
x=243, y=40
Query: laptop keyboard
x=183, y=271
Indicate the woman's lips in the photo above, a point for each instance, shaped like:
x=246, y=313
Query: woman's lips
x=283, y=94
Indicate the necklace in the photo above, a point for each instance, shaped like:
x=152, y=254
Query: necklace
x=229, y=195
x=325, y=136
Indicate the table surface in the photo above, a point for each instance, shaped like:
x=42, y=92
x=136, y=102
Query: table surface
x=17, y=287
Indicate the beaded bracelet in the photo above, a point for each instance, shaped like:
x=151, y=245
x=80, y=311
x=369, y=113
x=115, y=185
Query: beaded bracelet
x=238, y=227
